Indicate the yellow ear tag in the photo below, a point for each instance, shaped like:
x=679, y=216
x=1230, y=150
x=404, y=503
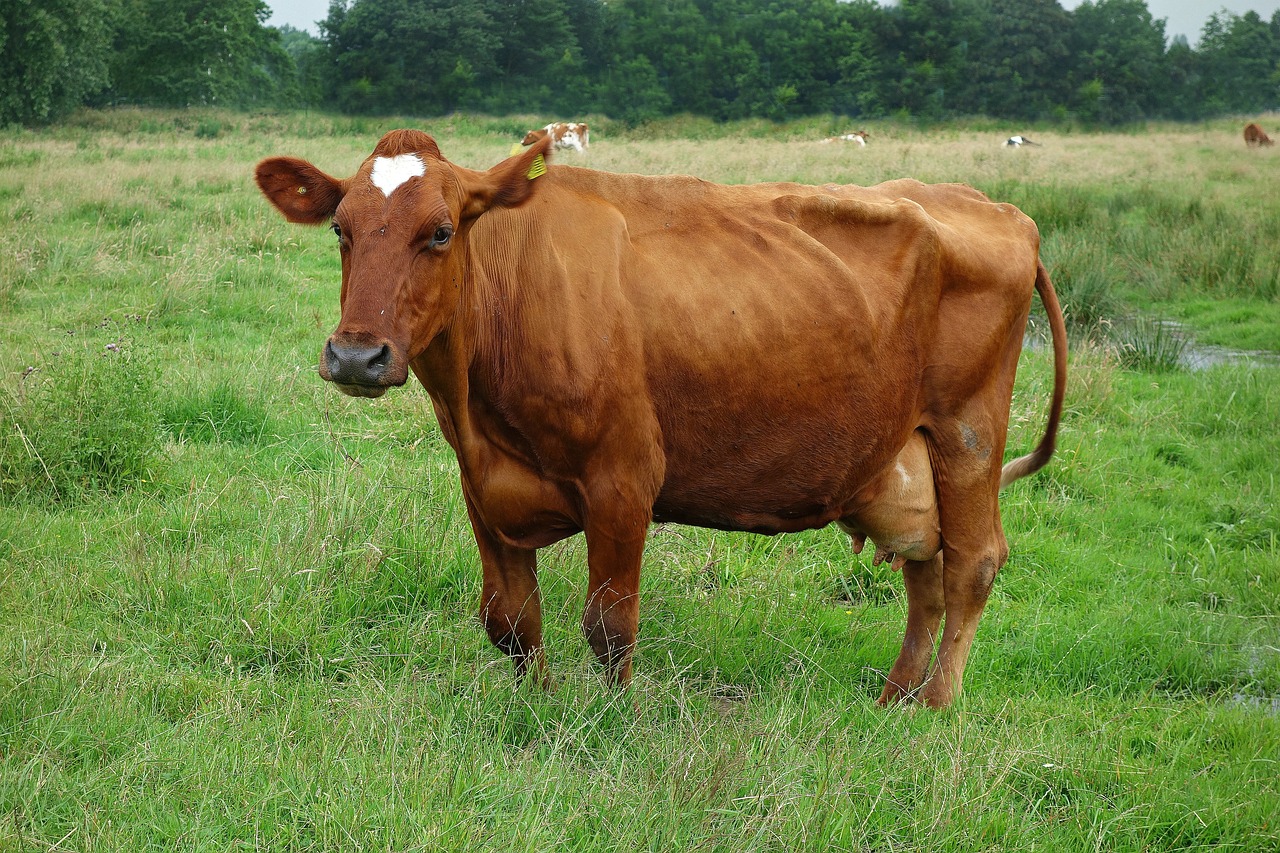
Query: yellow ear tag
x=537, y=168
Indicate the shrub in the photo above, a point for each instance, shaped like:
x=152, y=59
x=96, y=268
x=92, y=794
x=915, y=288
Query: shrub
x=1152, y=346
x=85, y=421
x=1087, y=283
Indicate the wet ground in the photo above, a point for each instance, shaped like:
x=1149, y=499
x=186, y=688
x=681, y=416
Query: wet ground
x=1191, y=355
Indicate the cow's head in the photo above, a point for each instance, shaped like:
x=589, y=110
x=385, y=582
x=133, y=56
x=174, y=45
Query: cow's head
x=402, y=221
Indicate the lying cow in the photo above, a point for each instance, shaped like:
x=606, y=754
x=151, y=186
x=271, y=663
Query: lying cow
x=1255, y=137
x=1019, y=141
x=563, y=135
x=604, y=351
x=858, y=137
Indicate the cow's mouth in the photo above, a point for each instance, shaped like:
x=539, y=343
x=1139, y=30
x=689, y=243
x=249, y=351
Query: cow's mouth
x=369, y=391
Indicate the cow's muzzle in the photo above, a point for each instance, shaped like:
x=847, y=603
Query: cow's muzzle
x=361, y=370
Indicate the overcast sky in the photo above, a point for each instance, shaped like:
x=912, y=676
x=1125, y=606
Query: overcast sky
x=1182, y=17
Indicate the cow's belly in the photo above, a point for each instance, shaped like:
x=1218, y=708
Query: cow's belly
x=723, y=516
x=796, y=481
x=786, y=455
x=781, y=504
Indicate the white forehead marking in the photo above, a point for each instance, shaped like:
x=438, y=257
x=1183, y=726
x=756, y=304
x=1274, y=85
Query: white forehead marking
x=390, y=172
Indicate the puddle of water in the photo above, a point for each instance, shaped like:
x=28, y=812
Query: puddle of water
x=1203, y=356
x=1193, y=356
x=1267, y=704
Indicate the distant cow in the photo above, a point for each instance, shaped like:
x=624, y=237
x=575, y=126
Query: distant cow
x=859, y=137
x=605, y=350
x=1255, y=137
x=1019, y=141
x=563, y=134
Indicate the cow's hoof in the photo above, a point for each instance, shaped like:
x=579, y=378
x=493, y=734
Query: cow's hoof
x=894, y=695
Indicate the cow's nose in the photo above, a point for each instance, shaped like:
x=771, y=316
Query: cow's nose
x=356, y=365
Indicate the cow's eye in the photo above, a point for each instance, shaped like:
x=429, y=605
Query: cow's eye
x=441, y=237
x=336, y=229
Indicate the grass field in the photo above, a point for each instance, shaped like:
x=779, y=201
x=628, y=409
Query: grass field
x=237, y=607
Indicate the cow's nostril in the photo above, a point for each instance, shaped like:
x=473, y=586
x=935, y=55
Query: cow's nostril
x=381, y=359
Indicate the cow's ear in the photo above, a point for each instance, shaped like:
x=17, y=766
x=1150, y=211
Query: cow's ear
x=300, y=191
x=508, y=184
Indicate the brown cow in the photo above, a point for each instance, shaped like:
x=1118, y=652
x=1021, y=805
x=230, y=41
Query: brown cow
x=564, y=134
x=606, y=350
x=1255, y=137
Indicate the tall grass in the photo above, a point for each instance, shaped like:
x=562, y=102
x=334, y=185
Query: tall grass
x=1152, y=346
x=81, y=419
x=251, y=625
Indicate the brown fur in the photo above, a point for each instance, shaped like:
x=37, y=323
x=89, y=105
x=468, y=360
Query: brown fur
x=1255, y=137
x=607, y=350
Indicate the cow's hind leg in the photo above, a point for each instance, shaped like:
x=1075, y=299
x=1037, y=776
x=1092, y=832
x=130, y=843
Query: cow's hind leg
x=967, y=471
x=899, y=511
x=925, y=604
x=511, y=605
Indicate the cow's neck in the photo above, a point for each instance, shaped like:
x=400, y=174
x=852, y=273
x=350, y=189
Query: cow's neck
x=462, y=369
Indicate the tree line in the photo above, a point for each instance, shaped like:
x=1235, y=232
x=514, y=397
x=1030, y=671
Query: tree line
x=1104, y=62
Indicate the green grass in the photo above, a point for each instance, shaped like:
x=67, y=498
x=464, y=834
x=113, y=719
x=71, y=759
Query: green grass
x=258, y=632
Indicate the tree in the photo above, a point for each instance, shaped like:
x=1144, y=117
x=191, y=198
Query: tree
x=803, y=52
x=677, y=42
x=199, y=52
x=1020, y=60
x=423, y=56
x=1120, y=72
x=308, y=55
x=1185, y=96
x=538, y=60
x=632, y=91
x=925, y=49
x=855, y=60
x=1238, y=59
x=53, y=55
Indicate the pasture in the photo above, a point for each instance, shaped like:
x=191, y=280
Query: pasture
x=237, y=608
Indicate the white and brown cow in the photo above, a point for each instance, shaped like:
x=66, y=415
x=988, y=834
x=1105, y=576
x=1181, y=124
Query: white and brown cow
x=563, y=134
x=858, y=137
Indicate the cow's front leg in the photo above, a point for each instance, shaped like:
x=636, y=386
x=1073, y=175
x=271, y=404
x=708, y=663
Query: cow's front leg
x=612, y=614
x=510, y=604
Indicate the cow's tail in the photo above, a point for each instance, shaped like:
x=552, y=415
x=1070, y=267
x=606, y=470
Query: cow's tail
x=1035, y=460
